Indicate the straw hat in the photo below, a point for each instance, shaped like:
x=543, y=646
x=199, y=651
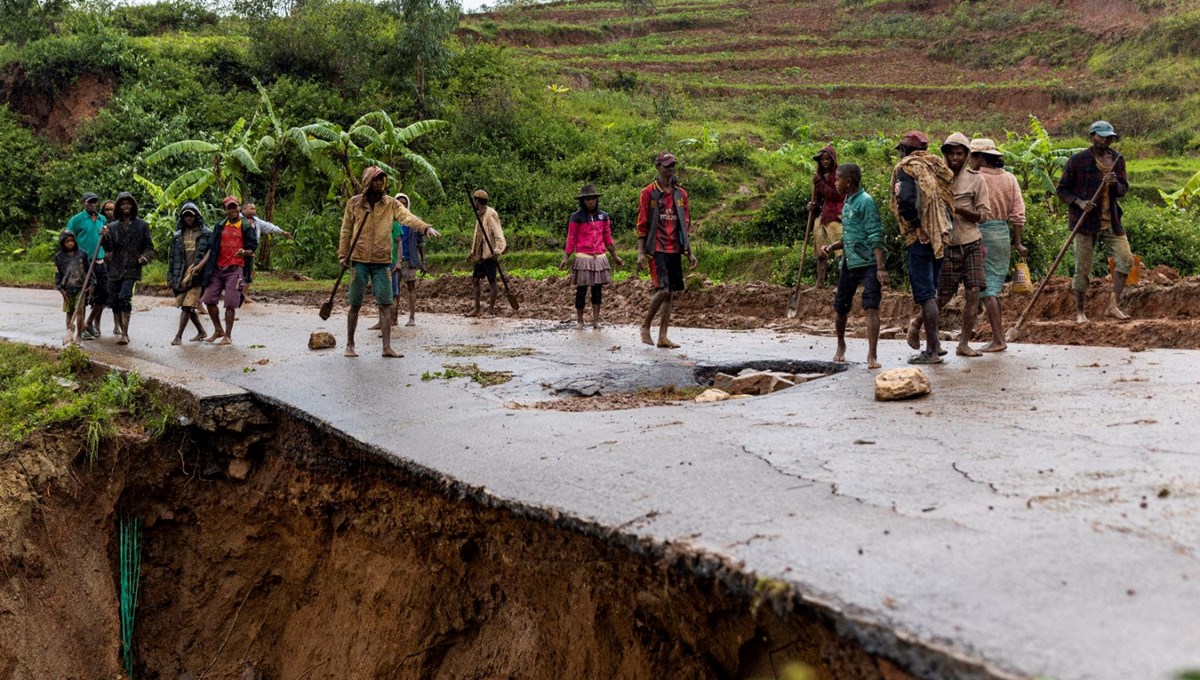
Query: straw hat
x=985, y=146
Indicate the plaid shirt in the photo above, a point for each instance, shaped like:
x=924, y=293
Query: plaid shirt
x=1081, y=179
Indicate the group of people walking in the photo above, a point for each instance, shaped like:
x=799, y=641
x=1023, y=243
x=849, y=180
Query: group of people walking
x=961, y=216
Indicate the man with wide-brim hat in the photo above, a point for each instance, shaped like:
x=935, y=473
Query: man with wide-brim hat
x=1092, y=183
x=589, y=239
x=1001, y=232
x=963, y=263
x=921, y=200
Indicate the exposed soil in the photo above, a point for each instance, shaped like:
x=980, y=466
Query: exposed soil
x=282, y=552
x=1165, y=310
x=56, y=115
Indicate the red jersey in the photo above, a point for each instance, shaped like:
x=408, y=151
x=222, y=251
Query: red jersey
x=231, y=244
x=666, y=237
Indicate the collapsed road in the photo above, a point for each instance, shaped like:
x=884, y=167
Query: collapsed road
x=1036, y=515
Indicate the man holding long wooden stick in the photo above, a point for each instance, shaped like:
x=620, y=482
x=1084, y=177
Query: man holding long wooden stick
x=1099, y=166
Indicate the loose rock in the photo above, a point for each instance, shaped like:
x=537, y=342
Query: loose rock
x=321, y=340
x=901, y=383
x=712, y=395
x=239, y=468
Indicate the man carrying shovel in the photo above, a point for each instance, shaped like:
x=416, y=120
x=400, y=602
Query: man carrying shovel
x=366, y=245
x=1092, y=182
x=486, y=246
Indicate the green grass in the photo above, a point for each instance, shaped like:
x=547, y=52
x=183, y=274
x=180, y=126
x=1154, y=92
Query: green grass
x=42, y=390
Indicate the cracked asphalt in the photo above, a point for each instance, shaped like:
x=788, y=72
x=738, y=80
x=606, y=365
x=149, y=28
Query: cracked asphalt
x=1038, y=514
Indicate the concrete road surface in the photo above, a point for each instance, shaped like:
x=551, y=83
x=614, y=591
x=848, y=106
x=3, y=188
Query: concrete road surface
x=1039, y=514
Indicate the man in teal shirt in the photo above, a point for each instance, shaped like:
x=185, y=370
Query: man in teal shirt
x=86, y=226
x=862, y=260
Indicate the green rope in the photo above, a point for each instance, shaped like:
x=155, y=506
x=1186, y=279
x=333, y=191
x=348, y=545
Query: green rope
x=131, y=572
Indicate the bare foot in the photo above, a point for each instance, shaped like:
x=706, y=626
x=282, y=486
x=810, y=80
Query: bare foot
x=966, y=351
x=473, y=313
x=215, y=337
x=411, y=322
x=1081, y=318
x=199, y=337
x=579, y=325
x=226, y=340
x=665, y=343
x=177, y=341
x=873, y=363
x=375, y=327
x=596, y=326
x=1116, y=313
x=914, y=334
x=492, y=312
x=994, y=346
x=350, y=351
x=123, y=340
x=840, y=356
x=646, y=335
x=390, y=353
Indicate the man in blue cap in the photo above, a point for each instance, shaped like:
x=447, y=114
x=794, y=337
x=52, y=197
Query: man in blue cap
x=86, y=226
x=1092, y=182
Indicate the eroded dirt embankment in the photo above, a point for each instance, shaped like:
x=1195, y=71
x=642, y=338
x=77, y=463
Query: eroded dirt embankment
x=280, y=551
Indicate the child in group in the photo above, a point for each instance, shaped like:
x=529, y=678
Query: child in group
x=70, y=273
x=189, y=255
x=862, y=260
x=408, y=256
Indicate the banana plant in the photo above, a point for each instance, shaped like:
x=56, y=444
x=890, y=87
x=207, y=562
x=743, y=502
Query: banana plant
x=1186, y=196
x=333, y=153
x=386, y=145
x=229, y=166
x=275, y=150
x=1034, y=160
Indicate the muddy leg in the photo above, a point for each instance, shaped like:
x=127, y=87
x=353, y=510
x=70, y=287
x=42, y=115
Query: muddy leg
x=822, y=268
x=872, y=338
x=351, y=325
x=478, y=295
x=995, y=318
x=184, y=317
x=215, y=316
x=195, y=319
x=663, y=341
x=123, y=328
x=412, y=303
x=93, y=320
x=1080, y=298
x=595, y=317
x=1114, y=304
x=492, y=298
x=914, y=329
x=655, y=303
x=839, y=323
x=970, y=310
x=385, y=312
x=230, y=317
x=929, y=317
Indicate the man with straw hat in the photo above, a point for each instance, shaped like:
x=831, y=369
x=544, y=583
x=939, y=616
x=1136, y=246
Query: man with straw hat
x=1006, y=207
x=1099, y=166
x=589, y=238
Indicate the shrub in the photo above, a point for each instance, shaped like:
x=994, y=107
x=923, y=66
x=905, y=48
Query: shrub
x=161, y=17
x=20, y=152
x=54, y=62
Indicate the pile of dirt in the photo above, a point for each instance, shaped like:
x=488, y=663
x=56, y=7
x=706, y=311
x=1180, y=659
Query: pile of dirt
x=284, y=552
x=1165, y=310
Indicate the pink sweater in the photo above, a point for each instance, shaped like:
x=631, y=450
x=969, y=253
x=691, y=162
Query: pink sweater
x=1004, y=196
x=588, y=233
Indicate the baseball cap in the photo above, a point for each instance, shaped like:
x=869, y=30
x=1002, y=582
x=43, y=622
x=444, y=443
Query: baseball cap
x=1103, y=128
x=230, y=199
x=664, y=158
x=89, y=197
x=914, y=139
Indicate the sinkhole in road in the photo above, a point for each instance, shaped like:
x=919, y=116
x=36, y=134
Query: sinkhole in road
x=685, y=377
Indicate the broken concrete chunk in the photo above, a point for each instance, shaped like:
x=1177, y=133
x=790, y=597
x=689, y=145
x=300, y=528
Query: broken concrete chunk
x=712, y=395
x=757, y=383
x=321, y=340
x=722, y=381
x=901, y=383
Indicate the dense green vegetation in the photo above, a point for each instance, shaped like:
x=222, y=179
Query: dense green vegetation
x=269, y=103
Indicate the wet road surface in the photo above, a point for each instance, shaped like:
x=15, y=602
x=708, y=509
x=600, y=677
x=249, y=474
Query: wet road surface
x=1038, y=514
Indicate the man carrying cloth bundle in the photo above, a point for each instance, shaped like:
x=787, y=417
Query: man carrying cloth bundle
x=921, y=200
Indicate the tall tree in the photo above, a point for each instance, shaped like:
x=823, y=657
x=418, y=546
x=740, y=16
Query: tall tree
x=275, y=150
x=421, y=45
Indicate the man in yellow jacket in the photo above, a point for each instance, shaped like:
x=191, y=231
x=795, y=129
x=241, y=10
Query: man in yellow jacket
x=486, y=247
x=366, y=245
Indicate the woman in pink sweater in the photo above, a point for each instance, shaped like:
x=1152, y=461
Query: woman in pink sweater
x=1007, y=208
x=589, y=237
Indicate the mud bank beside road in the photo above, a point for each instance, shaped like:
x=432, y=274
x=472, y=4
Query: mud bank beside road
x=275, y=548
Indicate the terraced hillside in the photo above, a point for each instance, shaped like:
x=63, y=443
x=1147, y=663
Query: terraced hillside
x=869, y=63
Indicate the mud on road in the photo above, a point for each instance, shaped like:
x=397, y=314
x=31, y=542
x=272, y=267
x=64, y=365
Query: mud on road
x=274, y=548
x=1165, y=309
